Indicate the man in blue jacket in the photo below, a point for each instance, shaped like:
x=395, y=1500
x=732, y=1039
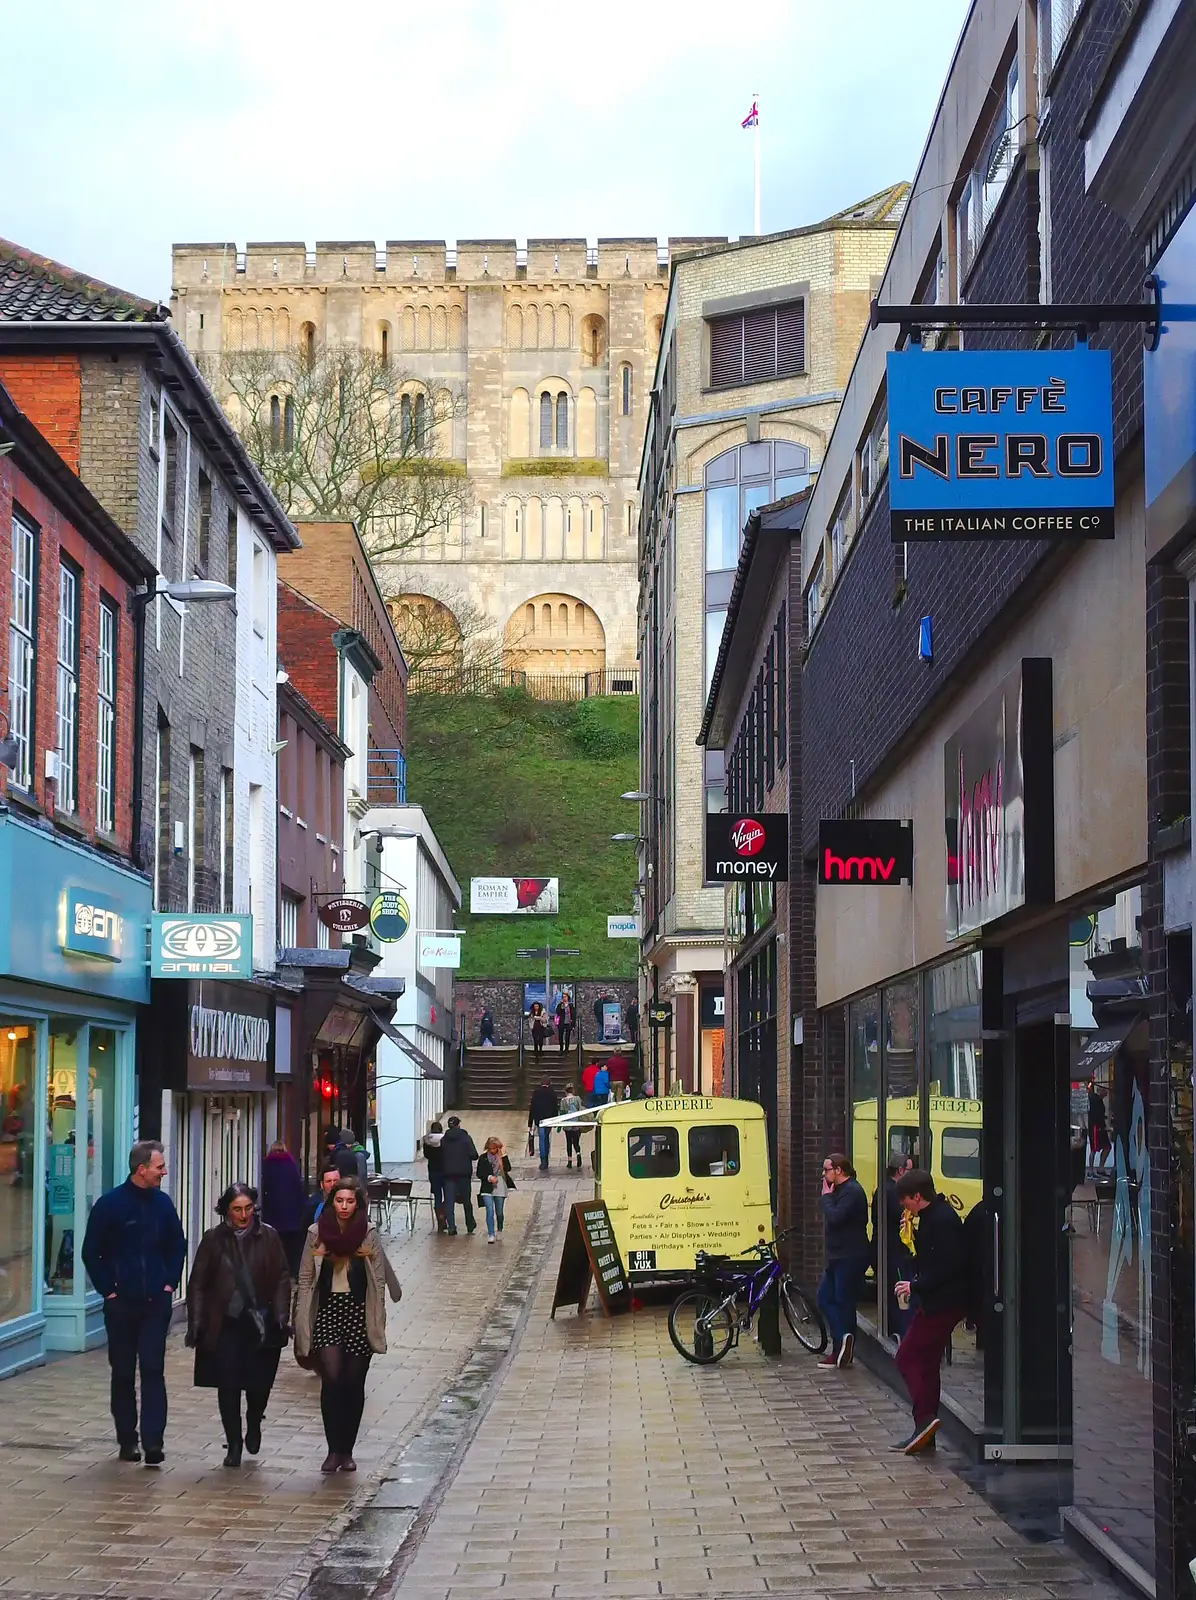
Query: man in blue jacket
x=134, y=1251
x=845, y=1212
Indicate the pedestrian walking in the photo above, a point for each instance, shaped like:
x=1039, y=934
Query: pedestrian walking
x=329, y=1173
x=570, y=1103
x=845, y=1213
x=458, y=1161
x=538, y=1019
x=495, y=1183
x=940, y=1288
x=340, y=1315
x=619, y=1070
x=598, y=1018
x=361, y=1160
x=134, y=1250
x=564, y=1021
x=432, y=1155
x=544, y=1105
x=339, y=1151
x=284, y=1201
x=601, y=1093
x=486, y=1026
x=588, y=1073
x=239, y=1315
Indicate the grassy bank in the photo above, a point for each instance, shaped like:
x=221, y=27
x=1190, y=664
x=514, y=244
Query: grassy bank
x=518, y=787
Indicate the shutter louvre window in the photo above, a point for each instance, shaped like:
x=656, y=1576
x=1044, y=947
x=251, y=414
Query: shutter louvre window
x=758, y=345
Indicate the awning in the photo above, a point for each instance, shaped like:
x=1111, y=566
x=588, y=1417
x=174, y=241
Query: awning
x=1102, y=1045
x=427, y=1067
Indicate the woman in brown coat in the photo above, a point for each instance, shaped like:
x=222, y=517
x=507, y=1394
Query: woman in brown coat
x=340, y=1313
x=238, y=1315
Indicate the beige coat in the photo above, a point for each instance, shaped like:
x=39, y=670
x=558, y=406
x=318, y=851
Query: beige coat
x=379, y=1278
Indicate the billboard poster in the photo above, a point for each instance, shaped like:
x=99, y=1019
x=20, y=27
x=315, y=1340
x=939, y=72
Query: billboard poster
x=1000, y=444
x=505, y=897
x=533, y=990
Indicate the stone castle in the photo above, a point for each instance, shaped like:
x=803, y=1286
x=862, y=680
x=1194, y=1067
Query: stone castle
x=552, y=349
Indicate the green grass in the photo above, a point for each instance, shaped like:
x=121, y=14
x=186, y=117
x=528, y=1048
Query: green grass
x=516, y=786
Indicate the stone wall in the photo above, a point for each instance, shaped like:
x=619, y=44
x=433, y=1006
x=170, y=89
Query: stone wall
x=504, y=996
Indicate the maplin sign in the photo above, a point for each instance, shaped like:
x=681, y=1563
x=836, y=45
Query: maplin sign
x=865, y=851
x=999, y=800
x=1000, y=444
x=747, y=847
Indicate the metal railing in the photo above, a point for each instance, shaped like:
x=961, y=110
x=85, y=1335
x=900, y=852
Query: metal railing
x=386, y=778
x=491, y=680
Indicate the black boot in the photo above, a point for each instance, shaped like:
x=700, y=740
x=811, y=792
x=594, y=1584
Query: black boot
x=253, y=1434
x=233, y=1455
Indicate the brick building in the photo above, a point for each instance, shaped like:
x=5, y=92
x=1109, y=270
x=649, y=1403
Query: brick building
x=311, y=819
x=1029, y=1040
x=757, y=347
x=339, y=645
x=72, y=966
x=126, y=408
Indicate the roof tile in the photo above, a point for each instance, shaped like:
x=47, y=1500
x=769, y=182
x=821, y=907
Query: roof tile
x=35, y=289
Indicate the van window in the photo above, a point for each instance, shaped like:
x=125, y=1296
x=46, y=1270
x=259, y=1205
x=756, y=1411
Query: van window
x=903, y=1141
x=653, y=1152
x=959, y=1153
x=714, y=1151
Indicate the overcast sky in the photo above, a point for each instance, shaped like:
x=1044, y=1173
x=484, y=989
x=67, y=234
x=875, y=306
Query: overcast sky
x=131, y=125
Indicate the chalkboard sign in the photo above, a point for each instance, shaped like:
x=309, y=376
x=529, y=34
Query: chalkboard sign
x=591, y=1255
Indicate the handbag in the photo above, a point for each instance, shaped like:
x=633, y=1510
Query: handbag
x=255, y=1317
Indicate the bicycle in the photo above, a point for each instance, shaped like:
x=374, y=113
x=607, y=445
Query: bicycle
x=705, y=1323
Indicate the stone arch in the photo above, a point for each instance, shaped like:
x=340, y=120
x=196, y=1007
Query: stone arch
x=282, y=327
x=515, y=328
x=555, y=632
x=440, y=329
x=407, y=337
x=595, y=534
x=236, y=329
x=512, y=528
x=252, y=339
x=531, y=328
x=657, y=329
x=547, y=327
x=593, y=340
x=519, y=414
x=554, y=529
x=564, y=328
x=423, y=329
x=266, y=328
x=428, y=630
x=575, y=528
x=587, y=422
x=307, y=341
x=456, y=325
x=384, y=342
x=442, y=424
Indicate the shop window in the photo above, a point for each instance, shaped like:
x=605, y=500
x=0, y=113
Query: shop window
x=714, y=1151
x=959, y=1153
x=18, y=1131
x=653, y=1153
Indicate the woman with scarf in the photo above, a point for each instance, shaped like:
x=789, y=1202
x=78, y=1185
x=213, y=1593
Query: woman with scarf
x=238, y=1315
x=495, y=1181
x=340, y=1316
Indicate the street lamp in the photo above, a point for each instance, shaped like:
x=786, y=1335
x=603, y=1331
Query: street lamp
x=188, y=591
x=628, y=838
x=642, y=796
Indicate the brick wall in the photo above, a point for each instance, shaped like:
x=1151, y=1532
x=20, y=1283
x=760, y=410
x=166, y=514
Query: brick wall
x=306, y=649
x=47, y=389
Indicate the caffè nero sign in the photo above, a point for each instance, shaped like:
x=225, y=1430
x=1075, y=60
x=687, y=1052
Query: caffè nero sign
x=999, y=803
x=229, y=1035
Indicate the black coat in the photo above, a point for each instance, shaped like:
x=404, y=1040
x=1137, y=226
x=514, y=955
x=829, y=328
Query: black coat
x=434, y=1158
x=230, y=1355
x=544, y=1105
x=846, y=1212
x=484, y=1171
x=458, y=1153
x=942, y=1279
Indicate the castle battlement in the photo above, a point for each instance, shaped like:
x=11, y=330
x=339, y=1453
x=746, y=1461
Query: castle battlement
x=290, y=263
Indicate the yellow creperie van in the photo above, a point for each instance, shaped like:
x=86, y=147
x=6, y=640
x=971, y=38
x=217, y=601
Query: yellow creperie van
x=681, y=1174
x=955, y=1131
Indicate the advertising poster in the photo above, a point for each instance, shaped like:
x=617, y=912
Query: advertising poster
x=506, y=897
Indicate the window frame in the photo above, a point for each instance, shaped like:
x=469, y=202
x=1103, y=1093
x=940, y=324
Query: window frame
x=24, y=728
x=652, y=1133
x=203, y=529
x=107, y=672
x=981, y=192
x=714, y=1127
x=755, y=318
x=814, y=598
x=67, y=657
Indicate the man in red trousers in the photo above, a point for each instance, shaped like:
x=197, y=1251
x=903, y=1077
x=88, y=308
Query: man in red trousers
x=940, y=1289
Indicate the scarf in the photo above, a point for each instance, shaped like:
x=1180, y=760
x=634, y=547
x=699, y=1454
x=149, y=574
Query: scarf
x=346, y=1242
x=908, y=1230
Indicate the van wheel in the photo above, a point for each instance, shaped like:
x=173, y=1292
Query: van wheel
x=701, y=1327
x=803, y=1316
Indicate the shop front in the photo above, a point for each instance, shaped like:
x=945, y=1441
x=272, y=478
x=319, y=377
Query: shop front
x=72, y=959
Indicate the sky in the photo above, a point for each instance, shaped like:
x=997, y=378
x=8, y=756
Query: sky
x=131, y=125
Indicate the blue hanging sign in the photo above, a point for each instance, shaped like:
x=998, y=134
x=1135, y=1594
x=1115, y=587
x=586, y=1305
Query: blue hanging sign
x=1000, y=444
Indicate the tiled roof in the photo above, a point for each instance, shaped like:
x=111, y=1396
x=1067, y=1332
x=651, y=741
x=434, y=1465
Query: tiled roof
x=887, y=206
x=36, y=289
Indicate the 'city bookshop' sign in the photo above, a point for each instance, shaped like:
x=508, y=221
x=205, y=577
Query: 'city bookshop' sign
x=863, y=851
x=1000, y=444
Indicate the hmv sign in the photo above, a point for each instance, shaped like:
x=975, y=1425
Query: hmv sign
x=999, y=802
x=866, y=852
x=740, y=848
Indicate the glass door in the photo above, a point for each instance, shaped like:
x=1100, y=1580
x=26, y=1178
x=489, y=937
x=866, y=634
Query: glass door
x=19, y=1119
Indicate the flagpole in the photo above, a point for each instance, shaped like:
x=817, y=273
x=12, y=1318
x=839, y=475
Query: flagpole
x=756, y=145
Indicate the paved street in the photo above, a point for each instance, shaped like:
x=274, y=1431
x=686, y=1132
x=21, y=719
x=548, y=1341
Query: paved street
x=585, y=1459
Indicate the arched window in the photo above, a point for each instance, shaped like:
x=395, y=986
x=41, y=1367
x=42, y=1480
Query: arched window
x=307, y=342
x=562, y=421
x=421, y=421
x=384, y=343
x=405, y=420
x=593, y=341
x=545, y=422
x=626, y=376
x=275, y=422
x=288, y=424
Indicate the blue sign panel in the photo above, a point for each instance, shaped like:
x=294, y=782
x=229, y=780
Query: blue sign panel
x=92, y=925
x=1170, y=395
x=1000, y=444
x=209, y=946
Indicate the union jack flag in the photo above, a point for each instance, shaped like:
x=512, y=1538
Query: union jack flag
x=752, y=120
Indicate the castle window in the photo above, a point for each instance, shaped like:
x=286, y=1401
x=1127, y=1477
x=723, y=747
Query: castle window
x=421, y=421
x=562, y=421
x=288, y=424
x=384, y=343
x=545, y=422
x=626, y=377
x=307, y=342
x=405, y=420
x=275, y=422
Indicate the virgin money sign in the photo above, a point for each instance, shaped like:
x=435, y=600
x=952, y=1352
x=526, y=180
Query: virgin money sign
x=999, y=795
x=865, y=851
x=504, y=897
x=742, y=847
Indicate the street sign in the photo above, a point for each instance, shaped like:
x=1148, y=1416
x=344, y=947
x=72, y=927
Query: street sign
x=344, y=914
x=200, y=946
x=390, y=917
x=741, y=845
x=661, y=1016
x=1000, y=444
x=622, y=927
x=545, y=954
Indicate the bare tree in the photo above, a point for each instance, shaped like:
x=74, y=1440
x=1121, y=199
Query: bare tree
x=442, y=630
x=344, y=433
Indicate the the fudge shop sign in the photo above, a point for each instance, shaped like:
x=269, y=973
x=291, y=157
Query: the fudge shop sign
x=742, y=847
x=1000, y=444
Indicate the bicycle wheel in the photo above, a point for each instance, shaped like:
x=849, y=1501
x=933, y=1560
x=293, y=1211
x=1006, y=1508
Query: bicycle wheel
x=701, y=1327
x=803, y=1316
